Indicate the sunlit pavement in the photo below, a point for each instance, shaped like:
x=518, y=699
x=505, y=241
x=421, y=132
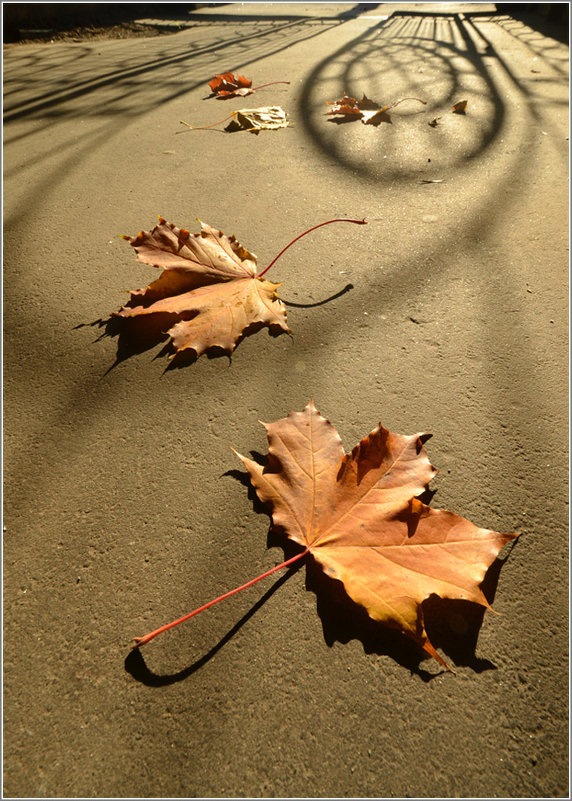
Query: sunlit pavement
x=124, y=504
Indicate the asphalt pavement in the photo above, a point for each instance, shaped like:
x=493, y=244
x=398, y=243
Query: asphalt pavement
x=124, y=505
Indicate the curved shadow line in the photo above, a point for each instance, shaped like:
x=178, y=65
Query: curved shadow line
x=136, y=666
x=388, y=27
x=87, y=87
x=343, y=291
x=112, y=77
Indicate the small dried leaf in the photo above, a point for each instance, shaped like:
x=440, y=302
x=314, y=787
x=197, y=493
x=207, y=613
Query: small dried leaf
x=434, y=122
x=347, y=105
x=460, y=107
x=258, y=119
x=366, y=109
x=370, y=112
x=229, y=85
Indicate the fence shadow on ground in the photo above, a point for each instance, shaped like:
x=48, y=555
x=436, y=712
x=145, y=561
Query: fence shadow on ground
x=437, y=58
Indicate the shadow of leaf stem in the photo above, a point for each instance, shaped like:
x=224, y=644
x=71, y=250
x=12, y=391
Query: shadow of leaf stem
x=135, y=663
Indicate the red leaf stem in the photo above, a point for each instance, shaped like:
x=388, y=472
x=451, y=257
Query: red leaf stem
x=339, y=219
x=204, y=127
x=139, y=641
x=272, y=83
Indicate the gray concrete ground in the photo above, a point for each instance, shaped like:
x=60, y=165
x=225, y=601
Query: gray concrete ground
x=120, y=510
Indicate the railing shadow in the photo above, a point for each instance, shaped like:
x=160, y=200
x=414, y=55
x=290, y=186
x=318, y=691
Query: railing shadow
x=429, y=56
x=440, y=58
x=106, y=94
x=86, y=82
x=527, y=23
x=174, y=64
x=377, y=62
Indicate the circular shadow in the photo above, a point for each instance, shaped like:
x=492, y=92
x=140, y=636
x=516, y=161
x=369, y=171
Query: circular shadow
x=426, y=57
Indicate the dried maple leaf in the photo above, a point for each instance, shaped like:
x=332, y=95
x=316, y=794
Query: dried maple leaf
x=227, y=85
x=257, y=119
x=359, y=516
x=347, y=105
x=250, y=119
x=367, y=110
x=209, y=286
x=209, y=278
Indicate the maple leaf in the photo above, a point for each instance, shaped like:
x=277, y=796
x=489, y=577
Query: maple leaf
x=258, y=119
x=209, y=278
x=227, y=85
x=370, y=112
x=249, y=119
x=359, y=516
x=367, y=110
x=208, y=286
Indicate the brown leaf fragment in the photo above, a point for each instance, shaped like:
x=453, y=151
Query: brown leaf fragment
x=359, y=516
x=434, y=122
x=460, y=107
x=228, y=85
x=208, y=284
x=347, y=105
x=366, y=109
x=370, y=112
x=257, y=119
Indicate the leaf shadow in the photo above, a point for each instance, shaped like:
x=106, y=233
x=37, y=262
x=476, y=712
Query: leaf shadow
x=140, y=334
x=344, y=620
x=134, y=335
x=339, y=294
x=243, y=478
x=374, y=123
x=454, y=625
x=451, y=625
x=136, y=666
x=343, y=120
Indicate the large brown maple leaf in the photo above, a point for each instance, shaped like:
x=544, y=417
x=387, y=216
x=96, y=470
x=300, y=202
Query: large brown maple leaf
x=208, y=285
x=359, y=516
